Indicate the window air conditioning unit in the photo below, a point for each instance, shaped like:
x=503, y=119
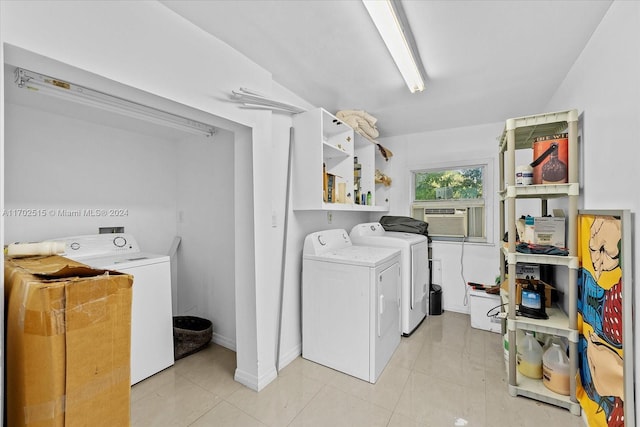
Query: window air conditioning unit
x=446, y=222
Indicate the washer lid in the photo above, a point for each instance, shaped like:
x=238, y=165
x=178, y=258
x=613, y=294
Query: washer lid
x=357, y=255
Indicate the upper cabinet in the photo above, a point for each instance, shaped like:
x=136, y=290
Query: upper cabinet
x=333, y=167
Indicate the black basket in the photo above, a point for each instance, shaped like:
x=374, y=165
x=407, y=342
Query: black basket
x=190, y=335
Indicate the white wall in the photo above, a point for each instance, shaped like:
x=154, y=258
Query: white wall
x=604, y=86
x=205, y=222
x=57, y=163
x=471, y=262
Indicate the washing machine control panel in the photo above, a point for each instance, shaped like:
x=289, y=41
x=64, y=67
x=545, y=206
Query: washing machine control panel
x=79, y=247
x=325, y=241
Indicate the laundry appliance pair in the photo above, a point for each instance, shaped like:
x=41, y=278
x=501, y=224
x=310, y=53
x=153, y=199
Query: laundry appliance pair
x=354, y=302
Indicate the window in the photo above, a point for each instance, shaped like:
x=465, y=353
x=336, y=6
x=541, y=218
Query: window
x=452, y=200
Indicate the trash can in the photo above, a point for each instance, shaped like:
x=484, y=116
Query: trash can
x=435, y=300
x=190, y=335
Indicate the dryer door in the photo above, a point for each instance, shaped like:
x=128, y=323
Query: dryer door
x=388, y=317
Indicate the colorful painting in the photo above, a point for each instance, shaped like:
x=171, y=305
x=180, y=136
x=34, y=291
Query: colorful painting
x=601, y=317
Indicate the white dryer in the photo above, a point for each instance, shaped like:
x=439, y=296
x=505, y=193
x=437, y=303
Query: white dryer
x=151, y=315
x=414, y=304
x=350, y=304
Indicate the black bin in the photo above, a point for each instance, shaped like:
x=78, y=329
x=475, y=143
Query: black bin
x=435, y=300
x=190, y=335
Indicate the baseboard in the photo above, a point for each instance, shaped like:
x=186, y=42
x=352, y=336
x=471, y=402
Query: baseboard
x=224, y=341
x=289, y=357
x=253, y=382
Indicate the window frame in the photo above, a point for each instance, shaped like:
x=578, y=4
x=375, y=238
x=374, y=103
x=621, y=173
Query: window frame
x=486, y=201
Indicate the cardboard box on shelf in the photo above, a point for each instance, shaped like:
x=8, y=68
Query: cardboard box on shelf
x=68, y=343
x=548, y=290
x=546, y=230
x=549, y=231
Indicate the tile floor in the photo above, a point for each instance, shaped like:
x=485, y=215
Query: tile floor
x=445, y=374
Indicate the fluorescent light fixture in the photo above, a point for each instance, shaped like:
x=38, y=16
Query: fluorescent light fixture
x=26, y=79
x=389, y=18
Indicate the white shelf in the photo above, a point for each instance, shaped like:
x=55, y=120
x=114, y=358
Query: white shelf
x=322, y=139
x=520, y=133
x=535, y=389
x=567, y=261
x=556, y=324
x=348, y=207
x=528, y=128
x=541, y=191
x=331, y=151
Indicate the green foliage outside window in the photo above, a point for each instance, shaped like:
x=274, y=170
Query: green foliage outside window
x=453, y=184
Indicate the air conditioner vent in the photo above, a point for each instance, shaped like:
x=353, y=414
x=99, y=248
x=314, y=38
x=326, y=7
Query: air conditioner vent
x=440, y=211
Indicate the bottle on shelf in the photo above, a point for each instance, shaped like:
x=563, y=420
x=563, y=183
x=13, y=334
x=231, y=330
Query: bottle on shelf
x=357, y=173
x=368, y=198
x=530, y=356
x=555, y=369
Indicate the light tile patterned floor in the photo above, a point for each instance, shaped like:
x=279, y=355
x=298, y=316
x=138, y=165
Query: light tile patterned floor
x=445, y=374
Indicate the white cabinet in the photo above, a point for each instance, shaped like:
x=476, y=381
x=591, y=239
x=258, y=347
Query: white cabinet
x=325, y=154
x=520, y=133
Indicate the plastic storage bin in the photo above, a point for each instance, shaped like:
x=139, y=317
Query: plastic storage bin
x=481, y=303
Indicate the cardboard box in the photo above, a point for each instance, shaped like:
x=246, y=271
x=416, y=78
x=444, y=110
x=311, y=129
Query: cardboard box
x=548, y=291
x=480, y=303
x=68, y=344
x=549, y=231
x=543, y=230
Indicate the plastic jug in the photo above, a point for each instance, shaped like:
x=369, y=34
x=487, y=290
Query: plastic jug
x=555, y=369
x=505, y=344
x=530, y=356
x=549, y=339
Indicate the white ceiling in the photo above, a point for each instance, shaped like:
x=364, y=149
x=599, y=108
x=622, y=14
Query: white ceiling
x=486, y=60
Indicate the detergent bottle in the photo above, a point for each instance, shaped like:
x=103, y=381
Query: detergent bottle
x=555, y=369
x=530, y=356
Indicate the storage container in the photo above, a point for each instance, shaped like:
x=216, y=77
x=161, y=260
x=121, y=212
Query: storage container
x=190, y=335
x=555, y=369
x=550, y=159
x=530, y=356
x=481, y=304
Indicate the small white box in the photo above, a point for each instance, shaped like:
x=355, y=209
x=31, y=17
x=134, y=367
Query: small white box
x=481, y=303
x=549, y=231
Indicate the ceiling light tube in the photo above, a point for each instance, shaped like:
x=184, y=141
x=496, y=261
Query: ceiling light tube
x=390, y=20
x=26, y=79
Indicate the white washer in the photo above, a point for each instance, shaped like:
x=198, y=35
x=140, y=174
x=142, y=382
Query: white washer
x=414, y=304
x=350, y=304
x=151, y=315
